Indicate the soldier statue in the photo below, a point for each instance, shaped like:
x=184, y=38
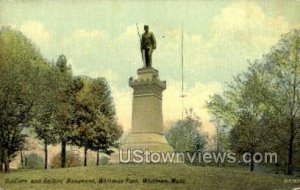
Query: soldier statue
x=148, y=44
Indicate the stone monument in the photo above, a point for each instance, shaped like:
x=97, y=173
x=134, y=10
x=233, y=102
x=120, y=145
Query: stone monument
x=147, y=118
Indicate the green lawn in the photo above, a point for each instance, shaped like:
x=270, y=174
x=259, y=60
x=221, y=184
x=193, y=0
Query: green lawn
x=194, y=177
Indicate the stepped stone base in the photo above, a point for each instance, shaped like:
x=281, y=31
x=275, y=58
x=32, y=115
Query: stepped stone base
x=147, y=141
x=152, y=142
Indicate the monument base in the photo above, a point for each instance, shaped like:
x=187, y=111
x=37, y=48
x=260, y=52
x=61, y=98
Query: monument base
x=152, y=142
x=148, y=141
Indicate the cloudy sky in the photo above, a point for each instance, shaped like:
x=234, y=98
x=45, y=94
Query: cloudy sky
x=99, y=38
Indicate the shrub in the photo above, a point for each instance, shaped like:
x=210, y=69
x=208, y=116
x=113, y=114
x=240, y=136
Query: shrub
x=72, y=160
x=34, y=161
x=103, y=160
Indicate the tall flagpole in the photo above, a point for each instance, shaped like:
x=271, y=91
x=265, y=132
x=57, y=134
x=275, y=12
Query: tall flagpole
x=182, y=76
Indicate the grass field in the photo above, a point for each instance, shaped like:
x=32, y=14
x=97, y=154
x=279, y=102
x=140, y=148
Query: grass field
x=131, y=177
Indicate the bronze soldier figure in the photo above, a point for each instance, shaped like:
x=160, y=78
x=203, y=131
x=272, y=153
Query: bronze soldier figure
x=148, y=44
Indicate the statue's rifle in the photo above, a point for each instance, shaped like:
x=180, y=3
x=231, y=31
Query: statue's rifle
x=142, y=51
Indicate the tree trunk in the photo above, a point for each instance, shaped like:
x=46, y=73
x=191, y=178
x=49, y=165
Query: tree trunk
x=25, y=161
x=63, y=153
x=218, y=144
x=97, y=161
x=46, y=155
x=291, y=149
x=1, y=159
x=252, y=163
x=85, y=155
x=21, y=159
x=6, y=160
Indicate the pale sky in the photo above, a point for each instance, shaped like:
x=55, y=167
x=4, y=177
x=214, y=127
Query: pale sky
x=99, y=39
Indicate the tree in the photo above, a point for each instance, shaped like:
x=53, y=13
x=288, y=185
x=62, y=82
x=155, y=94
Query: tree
x=61, y=63
x=107, y=136
x=184, y=134
x=277, y=82
x=269, y=92
x=20, y=64
x=95, y=118
x=108, y=131
x=68, y=87
x=220, y=140
x=246, y=136
x=222, y=109
x=223, y=117
x=45, y=121
x=282, y=72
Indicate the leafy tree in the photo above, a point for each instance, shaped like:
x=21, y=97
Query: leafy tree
x=95, y=118
x=45, y=121
x=20, y=64
x=184, y=134
x=268, y=92
x=282, y=73
x=222, y=109
x=108, y=131
x=68, y=87
x=246, y=136
x=220, y=139
x=61, y=63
